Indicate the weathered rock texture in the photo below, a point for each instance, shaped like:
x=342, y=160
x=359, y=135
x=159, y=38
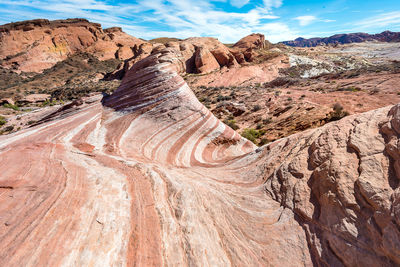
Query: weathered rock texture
x=201, y=55
x=149, y=177
x=32, y=46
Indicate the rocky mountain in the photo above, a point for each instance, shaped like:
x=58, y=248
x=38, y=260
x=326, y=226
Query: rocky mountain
x=36, y=45
x=149, y=176
x=386, y=36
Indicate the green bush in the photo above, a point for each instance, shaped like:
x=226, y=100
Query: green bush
x=14, y=107
x=232, y=124
x=350, y=89
x=252, y=134
x=2, y=121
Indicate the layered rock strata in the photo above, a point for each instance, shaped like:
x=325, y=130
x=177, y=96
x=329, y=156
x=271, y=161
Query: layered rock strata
x=149, y=177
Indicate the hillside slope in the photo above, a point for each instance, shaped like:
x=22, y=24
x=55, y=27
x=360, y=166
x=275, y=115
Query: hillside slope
x=35, y=45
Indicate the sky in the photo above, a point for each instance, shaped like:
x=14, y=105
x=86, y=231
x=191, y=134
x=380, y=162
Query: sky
x=227, y=20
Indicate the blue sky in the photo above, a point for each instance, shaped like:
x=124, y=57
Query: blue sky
x=227, y=20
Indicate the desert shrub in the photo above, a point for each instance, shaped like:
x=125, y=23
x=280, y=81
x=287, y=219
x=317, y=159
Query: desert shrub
x=256, y=108
x=337, y=107
x=252, y=134
x=338, y=112
x=267, y=120
x=264, y=141
x=2, y=121
x=204, y=99
x=281, y=81
x=220, y=98
x=350, y=89
x=49, y=103
x=14, y=107
x=231, y=123
x=9, y=128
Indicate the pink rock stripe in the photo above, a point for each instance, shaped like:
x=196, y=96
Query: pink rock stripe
x=149, y=177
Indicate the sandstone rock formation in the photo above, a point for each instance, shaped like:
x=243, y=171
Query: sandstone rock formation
x=201, y=55
x=32, y=46
x=253, y=41
x=149, y=177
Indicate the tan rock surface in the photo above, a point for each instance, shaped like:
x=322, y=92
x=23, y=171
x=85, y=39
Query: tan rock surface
x=252, y=41
x=34, y=98
x=149, y=177
x=32, y=46
x=205, y=61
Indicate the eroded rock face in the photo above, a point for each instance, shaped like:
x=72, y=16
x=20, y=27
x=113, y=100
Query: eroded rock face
x=252, y=41
x=149, y=177
x=342, y=180
x=32, y=46
x=205, y=61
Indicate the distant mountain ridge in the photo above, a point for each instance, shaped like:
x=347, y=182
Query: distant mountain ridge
x=386, y=36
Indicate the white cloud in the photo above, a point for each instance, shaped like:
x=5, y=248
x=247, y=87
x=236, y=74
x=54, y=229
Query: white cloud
x=157, y=18
x=305, y=20
x=382, y=20
x=273, y=3
x=239, y=3
x=277, y=31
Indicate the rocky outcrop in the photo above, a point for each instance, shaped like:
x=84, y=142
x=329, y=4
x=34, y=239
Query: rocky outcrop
x=34, y=98
x=205, y=61
x=252, y=41
x=150, y=177
x=32, y=46
x=246, y=48
x=386, y=36
x=36, y=45
x=201, y=55
x=342, y=181
x=212, y=52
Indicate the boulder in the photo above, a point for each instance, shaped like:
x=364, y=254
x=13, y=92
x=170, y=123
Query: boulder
x=205, y=61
